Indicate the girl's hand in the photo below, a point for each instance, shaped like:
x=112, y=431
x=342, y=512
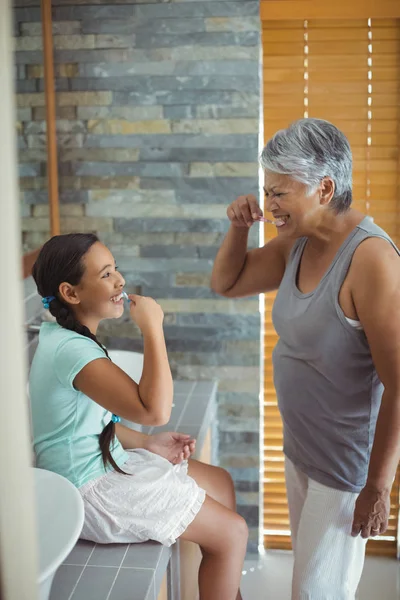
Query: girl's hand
x=145, y=312
x=175, y=447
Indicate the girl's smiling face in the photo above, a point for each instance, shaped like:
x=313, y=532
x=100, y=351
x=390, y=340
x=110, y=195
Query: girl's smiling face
x=98, y=295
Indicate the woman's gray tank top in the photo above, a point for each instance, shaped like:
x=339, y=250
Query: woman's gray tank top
x=328, y=390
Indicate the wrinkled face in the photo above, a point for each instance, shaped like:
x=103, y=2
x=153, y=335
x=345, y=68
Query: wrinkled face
x=289, y=201
x=98, y=294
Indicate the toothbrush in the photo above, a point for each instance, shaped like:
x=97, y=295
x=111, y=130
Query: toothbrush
x=125, y=295
x=265, y=220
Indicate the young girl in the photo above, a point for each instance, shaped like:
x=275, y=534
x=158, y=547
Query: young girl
x=135, y=487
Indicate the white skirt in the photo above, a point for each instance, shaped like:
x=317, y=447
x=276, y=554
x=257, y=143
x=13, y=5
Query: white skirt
x=155, y=501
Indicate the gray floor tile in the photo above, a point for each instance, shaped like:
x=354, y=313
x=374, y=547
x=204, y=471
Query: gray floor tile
x=64, y=582
x=133, y=584
x=204, y=387
x=192, y=430
x=108, y=555
x=145, y=555
x=95, y=583
x=80, y=554
x=183, y=387
x=194, y=414
x=167, y=427
x=180, y=399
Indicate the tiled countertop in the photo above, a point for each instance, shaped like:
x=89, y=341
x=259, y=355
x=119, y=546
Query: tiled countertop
x=135, y=571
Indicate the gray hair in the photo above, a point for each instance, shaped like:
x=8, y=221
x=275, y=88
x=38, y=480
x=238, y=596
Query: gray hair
x=309, y=150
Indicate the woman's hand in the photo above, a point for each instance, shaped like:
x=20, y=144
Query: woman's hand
x=244, y=211
x=371, y=514
x=175, y=447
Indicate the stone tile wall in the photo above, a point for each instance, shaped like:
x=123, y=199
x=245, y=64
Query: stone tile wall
x=158, y=121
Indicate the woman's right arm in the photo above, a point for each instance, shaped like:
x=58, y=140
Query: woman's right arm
x=238, y=272
x=150, y=401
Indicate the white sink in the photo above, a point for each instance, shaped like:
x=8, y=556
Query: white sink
x=59, y=519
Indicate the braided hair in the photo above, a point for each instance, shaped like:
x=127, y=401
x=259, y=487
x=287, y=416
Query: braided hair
x=59, y=260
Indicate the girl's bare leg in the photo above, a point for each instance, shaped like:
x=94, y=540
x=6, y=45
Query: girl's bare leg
x=217, y=483
x=222, y=536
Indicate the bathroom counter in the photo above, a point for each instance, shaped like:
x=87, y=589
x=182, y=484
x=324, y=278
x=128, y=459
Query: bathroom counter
x=147, y=571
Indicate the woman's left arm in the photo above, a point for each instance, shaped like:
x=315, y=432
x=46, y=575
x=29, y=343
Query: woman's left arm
x=375, y=287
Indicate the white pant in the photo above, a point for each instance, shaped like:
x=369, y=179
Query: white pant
x=328, y=561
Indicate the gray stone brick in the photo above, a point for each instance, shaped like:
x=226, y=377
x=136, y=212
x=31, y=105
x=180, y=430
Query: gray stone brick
x=205, y=334
x=62, y=126
x=247, y=486
x=211, y=194
x=231, y=438
x=238, y=398
x=30, y=170
x=226, y=112
x=209, y=252
x=95, y=55
x=131, y=113
x=178, y=292
x=153, y=26
x=161, y=40
x=36, y=197
x=143, y=84
x=187, y=68
x=169, y=252
x=74, y=196
x=24, y=210
x=120, y=343
x=195, y=345
x=116, y=197
x=200, y=9
x=60, y=85
x=71, y=140
x=221, y=189
x=21, y=142
x=104, y=169
x=248, y=323
x=155, y=153
x=20, y=71
x=167, y=98
x=26, y=86
x=235, y=141
x=162, y=225
x=28, y=58
x=146, y=279
x=210, y=333
x=179, y=112
x=169, y=265
x=210, y=359
x=24, y=114
x=180, y=10
x=27, y=14
x=250, y=514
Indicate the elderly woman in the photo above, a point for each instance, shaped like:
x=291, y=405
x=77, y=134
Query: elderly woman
x=337, y=361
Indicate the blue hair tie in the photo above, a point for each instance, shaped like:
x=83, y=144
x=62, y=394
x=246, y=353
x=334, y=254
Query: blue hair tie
x=46, y=301
x=115, y=419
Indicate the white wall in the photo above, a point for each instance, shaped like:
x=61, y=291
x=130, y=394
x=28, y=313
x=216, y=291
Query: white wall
x=17, y=527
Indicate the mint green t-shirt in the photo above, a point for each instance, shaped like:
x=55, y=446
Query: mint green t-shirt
x=66, y=423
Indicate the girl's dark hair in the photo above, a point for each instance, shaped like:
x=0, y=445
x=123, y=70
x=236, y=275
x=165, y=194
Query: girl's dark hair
x=59, y=260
